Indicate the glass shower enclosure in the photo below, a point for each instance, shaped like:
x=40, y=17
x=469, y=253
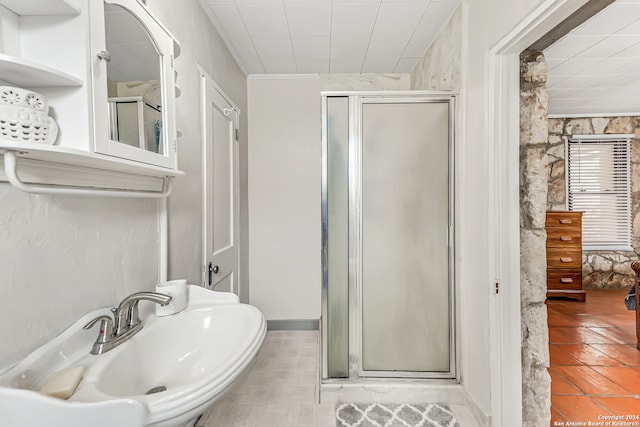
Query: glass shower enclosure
x=135, y=121
x=388, y=235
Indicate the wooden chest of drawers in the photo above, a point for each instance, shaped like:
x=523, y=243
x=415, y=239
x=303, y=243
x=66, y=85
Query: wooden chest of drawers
x=564, y=255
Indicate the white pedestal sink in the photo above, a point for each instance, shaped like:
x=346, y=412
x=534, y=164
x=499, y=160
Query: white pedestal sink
x=193, y=356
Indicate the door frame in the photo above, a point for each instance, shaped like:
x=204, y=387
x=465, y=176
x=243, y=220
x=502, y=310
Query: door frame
x=206, y=83
x=503, y=119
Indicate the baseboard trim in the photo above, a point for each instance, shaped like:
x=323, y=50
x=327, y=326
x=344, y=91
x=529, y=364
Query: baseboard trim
x=293, y=324
x=483, y=419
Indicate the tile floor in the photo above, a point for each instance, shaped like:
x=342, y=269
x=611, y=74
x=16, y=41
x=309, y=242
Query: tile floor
x=595, y=366
x=595, y=370
x=282, y=389
x=279, y=390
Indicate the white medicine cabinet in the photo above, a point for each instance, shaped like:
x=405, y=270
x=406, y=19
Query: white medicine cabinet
x=106, y=70
x=132, y=58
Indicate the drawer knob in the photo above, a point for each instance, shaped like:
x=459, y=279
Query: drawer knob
x=566, y=280
x=566, y=238
x=565, y=221
x=566, y=259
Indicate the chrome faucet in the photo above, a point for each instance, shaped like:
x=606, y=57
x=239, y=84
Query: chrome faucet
x=125, y=323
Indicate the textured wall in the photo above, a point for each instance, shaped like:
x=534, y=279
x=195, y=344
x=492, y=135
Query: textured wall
x=536, y=394
x=284, y=194
x=61, y=257
x=439, y=68
x=600, y=269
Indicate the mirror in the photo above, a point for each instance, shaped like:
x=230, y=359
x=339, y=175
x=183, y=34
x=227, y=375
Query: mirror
x=134, y=85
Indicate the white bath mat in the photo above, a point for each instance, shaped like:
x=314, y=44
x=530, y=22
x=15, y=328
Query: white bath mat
x=394, y=415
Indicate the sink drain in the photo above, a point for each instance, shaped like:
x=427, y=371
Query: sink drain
x=156, y=389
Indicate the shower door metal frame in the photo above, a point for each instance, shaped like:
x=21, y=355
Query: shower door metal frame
x=356, y=100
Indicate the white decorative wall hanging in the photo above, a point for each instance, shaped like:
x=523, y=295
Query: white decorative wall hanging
x=24, y=116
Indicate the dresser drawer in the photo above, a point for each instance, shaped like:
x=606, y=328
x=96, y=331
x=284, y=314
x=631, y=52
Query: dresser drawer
x=564, y=257
x=565, y=237
x=564, y=219
x=564, y=279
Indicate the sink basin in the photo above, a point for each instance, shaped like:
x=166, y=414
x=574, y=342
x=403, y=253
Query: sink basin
x=185, y=362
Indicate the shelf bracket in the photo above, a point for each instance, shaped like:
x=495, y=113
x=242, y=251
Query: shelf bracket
x=11, y=171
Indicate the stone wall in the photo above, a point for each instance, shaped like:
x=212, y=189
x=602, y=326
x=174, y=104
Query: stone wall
x=365, y=82
x=439, y=68
x=536, y=383
x=600, y=269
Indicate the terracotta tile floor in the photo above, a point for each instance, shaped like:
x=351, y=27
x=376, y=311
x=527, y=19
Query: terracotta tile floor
x=595, y=366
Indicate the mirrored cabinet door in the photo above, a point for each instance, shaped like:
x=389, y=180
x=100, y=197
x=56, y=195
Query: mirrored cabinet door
x=134, y=95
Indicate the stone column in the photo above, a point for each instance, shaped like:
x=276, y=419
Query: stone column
x=534, y=135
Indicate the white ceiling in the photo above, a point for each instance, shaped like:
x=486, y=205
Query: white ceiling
x=329, y=36
x=595, y=69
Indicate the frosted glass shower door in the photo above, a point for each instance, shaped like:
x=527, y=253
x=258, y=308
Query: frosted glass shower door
x=336, y=236
x=405, y=251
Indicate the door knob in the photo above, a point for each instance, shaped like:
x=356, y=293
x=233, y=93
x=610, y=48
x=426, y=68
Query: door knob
x=104, y=55
x=212, y=269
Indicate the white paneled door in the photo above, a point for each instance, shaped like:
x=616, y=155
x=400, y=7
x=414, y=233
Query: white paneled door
x=220, y=189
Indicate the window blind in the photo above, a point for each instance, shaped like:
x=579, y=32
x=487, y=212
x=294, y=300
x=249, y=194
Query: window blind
x=598, y=184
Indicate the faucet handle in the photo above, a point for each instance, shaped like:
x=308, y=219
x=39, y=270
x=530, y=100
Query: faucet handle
x=106, y=328
x=133, y=315
x=119, y=322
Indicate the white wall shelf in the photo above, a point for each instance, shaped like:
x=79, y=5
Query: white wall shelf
x=80, y=158
x=24, y=73
x=82, y=164
x=40, y=7
x=46, y=169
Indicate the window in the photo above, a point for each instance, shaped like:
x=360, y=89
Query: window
x=598, y=184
